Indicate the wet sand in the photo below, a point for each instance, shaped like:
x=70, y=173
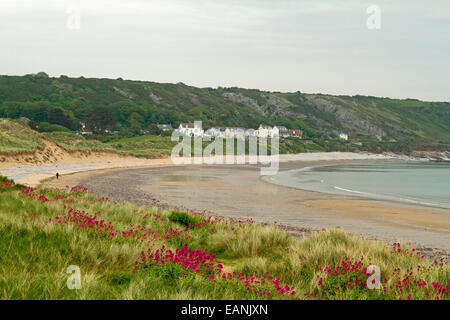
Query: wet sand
x=239, y=192
x=31, y=169
x=33, y=175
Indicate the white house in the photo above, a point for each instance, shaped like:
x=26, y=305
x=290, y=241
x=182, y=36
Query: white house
x=233, y=132
x=342, y=135
x=264, y=131
x=249, y=133
x=191, y=129
x=225, y=132
x=275, y=132
x=165, y=127
x=267, y=131
x=212, y=132
x=282, y=131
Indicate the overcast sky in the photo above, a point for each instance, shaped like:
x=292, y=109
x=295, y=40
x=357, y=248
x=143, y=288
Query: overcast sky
x=280, y=45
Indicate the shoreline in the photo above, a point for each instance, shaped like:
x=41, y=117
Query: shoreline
x=35, y=174
x=359, y=216
x=359, y=194
x=313, y=210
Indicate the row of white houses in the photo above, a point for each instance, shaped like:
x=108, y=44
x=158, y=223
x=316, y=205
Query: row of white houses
x=195, y=130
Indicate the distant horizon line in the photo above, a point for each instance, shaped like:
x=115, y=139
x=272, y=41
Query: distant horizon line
x=225, y=87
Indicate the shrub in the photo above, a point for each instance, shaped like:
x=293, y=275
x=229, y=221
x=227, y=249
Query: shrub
x=184, y=218
x=8, y=184
x=49, y=127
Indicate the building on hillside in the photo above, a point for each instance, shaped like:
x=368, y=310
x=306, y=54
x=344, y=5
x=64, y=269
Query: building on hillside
x=342, y=135
x=191, y=129
x=272, y=132
x=165, y=127
x=264, y=131
x=282, y=131
x=250, y=133
x=296, y=133
x=25, y=120
x=275, y=133
x=225, y=132
x=212, y=132
x=85, y=131
x=235, y=132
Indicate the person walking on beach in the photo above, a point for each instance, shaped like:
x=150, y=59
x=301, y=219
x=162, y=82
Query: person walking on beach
x=57, y=176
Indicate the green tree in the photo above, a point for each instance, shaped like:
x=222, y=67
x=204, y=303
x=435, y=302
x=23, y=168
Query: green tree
x=101, y=119
x=153, y=129
x=61, y=117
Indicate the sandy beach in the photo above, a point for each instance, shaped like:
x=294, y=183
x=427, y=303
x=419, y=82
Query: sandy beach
x=239, y=192
x=65, y=163
x=34, y=175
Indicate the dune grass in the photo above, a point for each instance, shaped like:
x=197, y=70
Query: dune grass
x=75, y=142
x=17, y=137
x=122, y=251
x=148, y=146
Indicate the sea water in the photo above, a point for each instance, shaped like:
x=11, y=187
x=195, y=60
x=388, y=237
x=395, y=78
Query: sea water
x=425, y=183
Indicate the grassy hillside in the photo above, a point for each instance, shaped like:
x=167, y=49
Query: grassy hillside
x=129, y=107
x=72, y=141
x=148, y=146
x=16, y=137
x=128, y=252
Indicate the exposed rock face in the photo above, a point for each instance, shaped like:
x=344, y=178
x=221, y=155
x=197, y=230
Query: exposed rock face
x=123, y=93
x=154, y=97
x=432, y=155
x=274, y=107
x=347, y=117
x=252, y=103
x=271, y=106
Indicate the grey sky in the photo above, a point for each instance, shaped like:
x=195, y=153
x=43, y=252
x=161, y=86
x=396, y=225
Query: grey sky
x=279, y=45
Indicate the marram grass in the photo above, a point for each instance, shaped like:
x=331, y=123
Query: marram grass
x=124, y=251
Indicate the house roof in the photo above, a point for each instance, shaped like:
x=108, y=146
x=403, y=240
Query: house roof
x=164, y=126
x=234, y=128
x=187, y=125
x=295, y=132
x=25, y=119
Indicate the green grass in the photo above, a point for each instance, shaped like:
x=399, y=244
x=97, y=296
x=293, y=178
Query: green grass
x=36, y=252
x=17, y=137
x=74, y=142
x=151, y=146
x=148, y=146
